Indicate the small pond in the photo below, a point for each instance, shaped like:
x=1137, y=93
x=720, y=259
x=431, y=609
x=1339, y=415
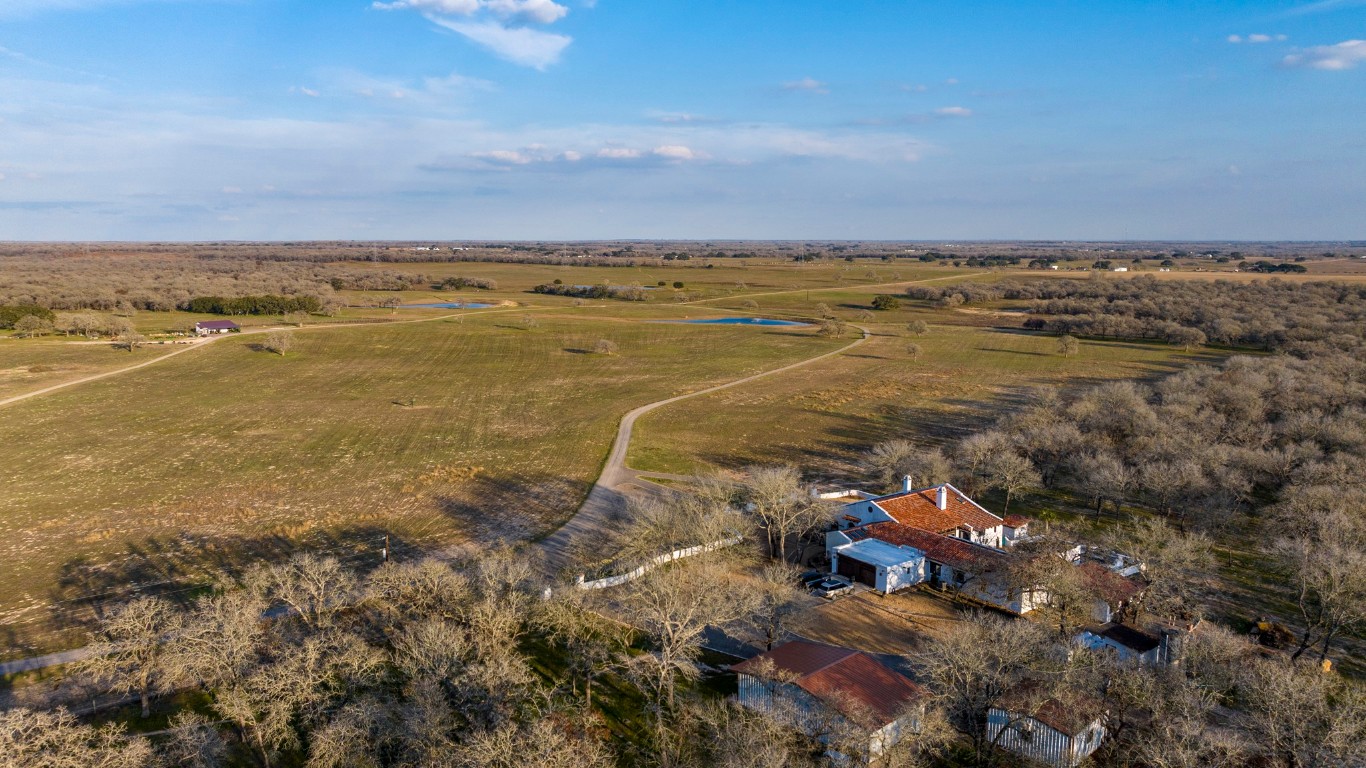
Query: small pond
x=448, y=305
x=766, y=321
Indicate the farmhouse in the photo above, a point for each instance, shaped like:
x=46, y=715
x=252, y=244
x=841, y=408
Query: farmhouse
x=933, y=535
x=1060, y=731
x=211, y=327
x=833, y=692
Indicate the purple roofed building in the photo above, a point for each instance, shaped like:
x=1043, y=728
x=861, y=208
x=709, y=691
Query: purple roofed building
x=209, y=327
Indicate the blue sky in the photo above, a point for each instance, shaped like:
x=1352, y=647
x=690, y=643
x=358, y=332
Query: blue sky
x=574, y=119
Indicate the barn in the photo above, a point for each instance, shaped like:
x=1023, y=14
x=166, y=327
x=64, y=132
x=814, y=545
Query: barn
x=212, y=327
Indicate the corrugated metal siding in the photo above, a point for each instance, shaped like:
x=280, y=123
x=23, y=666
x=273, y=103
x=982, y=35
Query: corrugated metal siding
x=1043, y=743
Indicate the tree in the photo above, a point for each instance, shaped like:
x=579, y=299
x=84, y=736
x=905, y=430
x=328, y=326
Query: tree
x=974, y=455
x=544, y=742
x=1323, y=552
x=58, y=740
x=831, y=328
x=1301, y=717
x=778, y=498
x=315, y=588
x=130, y=648
x=678, y=284
x=606, y=347
x=973, y=667
x=673, y=606
x=913, y=350
x=1174, y=565
x=194, y=742
x=32, y=326
x=278, y=342
x=823, y=311
x=1012, y=473
x=893, y=460
x=1068, y=345
x=885, y=302
x=778, y=598
x=917, y=327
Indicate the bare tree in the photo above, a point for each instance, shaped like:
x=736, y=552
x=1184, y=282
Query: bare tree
x=893, y=460
x=776, y=495
x=194, y=742
x=58, y=740
x=1068, y=346
x=131, y=648
x=279, y=342
x=1012, y=473
x=606, y=347
x=972, y=668
x=914, y=351
x=314, y=588
x=1302, y=717
x=777, y=599
x=543, y=743
x=917, y=327
x=1324, y=553
x=1174, y=565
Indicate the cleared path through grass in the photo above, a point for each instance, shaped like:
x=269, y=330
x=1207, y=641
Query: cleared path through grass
x=606, y=499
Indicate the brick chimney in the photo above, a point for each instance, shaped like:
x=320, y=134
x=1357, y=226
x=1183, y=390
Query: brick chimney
x=942, y=497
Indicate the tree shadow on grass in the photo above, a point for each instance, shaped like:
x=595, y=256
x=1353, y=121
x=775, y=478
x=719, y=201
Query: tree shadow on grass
x=181, y=569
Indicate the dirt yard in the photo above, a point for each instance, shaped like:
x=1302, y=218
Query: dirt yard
x=898, y=624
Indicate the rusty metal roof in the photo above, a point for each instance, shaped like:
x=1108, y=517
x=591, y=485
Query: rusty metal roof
x=858, y=686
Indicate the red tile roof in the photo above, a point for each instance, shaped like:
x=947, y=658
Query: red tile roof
x=1112, y=588
x=1015, y=521
x=957, y=553
x=854, y=683
x=921, y=510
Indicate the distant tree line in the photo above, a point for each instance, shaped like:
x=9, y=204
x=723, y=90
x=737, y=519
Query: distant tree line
x=253, y=305
x=625, y=293
x=1297, y=317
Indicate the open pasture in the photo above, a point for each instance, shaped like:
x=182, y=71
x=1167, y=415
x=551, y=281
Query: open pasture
x=482, y=426
x=824, y=418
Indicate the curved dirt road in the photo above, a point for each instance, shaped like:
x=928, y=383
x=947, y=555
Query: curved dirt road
x=606, y=499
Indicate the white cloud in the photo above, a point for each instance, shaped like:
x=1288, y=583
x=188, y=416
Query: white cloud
x=497, y=25
x=519, y=45
x=503, y=157
x=951, y=81
x=309, y=92
x=917, y=88
x=618, y=153
x=808, y=84
x=1344, y=55
x=534, y=11
x=953, y=112
x=1324, y=6
x=677, y=152
x=1257, y=38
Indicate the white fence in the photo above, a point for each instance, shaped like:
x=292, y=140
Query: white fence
x=678, y=554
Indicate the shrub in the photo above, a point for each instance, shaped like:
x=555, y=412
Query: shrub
x=606, y=347
x=885, y=302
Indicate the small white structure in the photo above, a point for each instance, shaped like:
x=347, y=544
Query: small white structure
x=1125, y=642
x=214, y=327
x=1053, y=732
x=832, y=692
x=1121, y=269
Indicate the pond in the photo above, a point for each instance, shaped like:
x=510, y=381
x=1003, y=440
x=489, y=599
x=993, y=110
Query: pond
x=765, y=321
x=448, y=305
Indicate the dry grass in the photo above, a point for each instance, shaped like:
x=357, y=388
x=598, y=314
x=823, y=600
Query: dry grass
x=432, y=432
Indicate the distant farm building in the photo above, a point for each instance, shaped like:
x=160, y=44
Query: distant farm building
x=829, y=690
x=212, y=327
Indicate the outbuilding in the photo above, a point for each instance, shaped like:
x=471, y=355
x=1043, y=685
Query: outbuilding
x=213, y=327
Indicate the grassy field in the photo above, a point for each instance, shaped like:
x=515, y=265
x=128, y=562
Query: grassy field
x=485, y=425
x=29, y=364
x=824, y=418
x=431, y=432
